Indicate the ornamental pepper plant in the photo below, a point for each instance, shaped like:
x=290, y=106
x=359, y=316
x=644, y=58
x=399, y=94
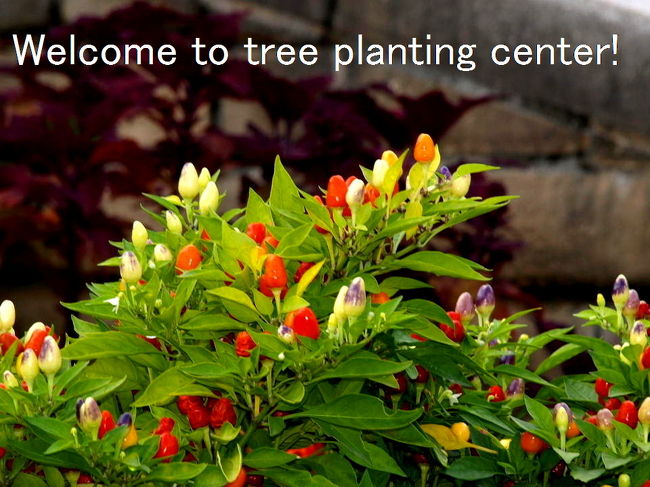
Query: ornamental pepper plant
x=279, y=345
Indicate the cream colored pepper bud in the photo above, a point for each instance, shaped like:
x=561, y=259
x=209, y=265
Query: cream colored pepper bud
x=174, y=224
x=460, y=185
x=204, y=178
x=139, y=235
x=130, y=268
x=27, y=365
x=209, y=200
x=49, y=360
x=188, y=183
x=7, y=315
x=161, y=253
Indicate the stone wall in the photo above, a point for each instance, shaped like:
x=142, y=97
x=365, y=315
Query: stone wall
x=575, y=140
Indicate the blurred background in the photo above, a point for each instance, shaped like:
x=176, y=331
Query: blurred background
x=78, y=145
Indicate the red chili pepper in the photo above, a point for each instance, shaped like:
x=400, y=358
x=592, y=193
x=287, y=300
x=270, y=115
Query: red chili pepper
x=36, y=340
x=423, y=374
x=456, y=388
x=417, y=337
x=402, y=384
x=255, y=481
x=573, y=430
x=602, y=387
x=7, y=340
x=188, y=258
x=380, y=298
x=336, y=189
x=271, y=241
x=84, y=479
x=107, y=424
x=593, y=419
x=645, y=359
x=558, y=470
x=256, y=231
x=308, y=451
x=165, y=425
x=457, y=332
x=240, y=481
x=646, y=483
x=152, y=340
x=420, y=459
x=612, y=403
x=205, y=235
x=627, y=414
x=198, y=417
x=495, y=394
x=186, y=403
x=370, y=194
x=243, y=344
x=223, y=412
x=275, y=274
x=167, y=446
x=302, y=268
x=643, y=311
x=425, y=149
x=532, y=444
x=303, y=322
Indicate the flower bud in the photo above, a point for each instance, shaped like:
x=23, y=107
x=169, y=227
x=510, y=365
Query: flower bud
x=605, y=418
x=35, y=327
x=515, y=388
x=465, y=307
x=332, y=325
x=390, y=157
x=130, y=268
x=620, y=291
x=445, y=173
x=624, y=480
x=7, y=315
x=286, y=334
x=632, y=305
x=354, y=194
x=644, y=412
x=161, y=253
x=379, y=171
x=49, y=360
x=27, y=365
x=9, y=379
x=355, y=298
x=561, y=416
x=188, y=183
x=505, y=443
x=174, y=224
x=460, y=185
x=638, y=334
x=125, y=419
x=204, y=178
x=507, y=359
x=209, y=200
x=523, y=337
x=89, y=416
x=600, y=300
x=485, y=301
x=139, y=235
x=339, y=310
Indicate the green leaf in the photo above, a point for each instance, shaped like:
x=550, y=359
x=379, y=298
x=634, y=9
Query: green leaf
x=166, y=386
x=428, y=309
x=559, y=356
x=586, y=475
x=473, y=168
x=283, y=190
x=362, y=367
x=567, y=456
x=294, y=394
x=473, y=468
x=176, y=472
x=440, y=264
x=106, y=344
x=541, y=415
x=514, y=371
x=211, y=322
x=257, y=210
x=267, y=457
x=233, y=294
x=579, y=391
x=360, y=411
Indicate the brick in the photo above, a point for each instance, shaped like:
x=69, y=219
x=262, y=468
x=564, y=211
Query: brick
x=578, y=227
x=499, y=129
x=25, y=13
x=612, y=94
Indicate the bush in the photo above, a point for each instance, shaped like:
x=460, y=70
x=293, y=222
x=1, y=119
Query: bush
x=277, y=345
